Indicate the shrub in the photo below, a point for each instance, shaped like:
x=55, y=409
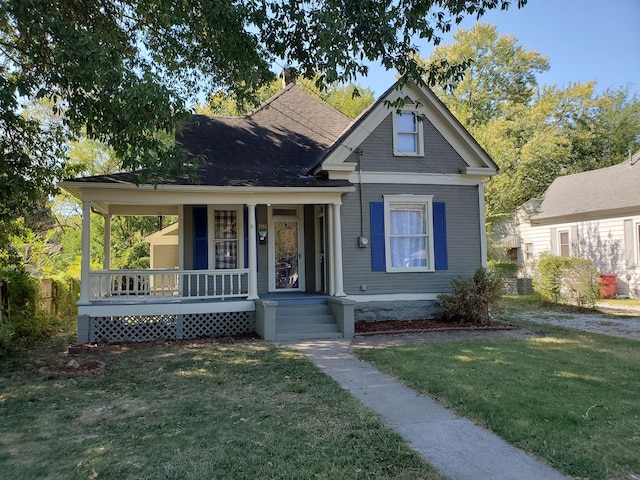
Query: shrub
x=566, y=279
x=24, y=322
x=67, y=295
x=21, y=320
x=547, y=280
x=504, y=269
x=473, y=300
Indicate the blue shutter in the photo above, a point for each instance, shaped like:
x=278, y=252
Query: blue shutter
x=440, y=236
x=200, y=241
x=376, y=210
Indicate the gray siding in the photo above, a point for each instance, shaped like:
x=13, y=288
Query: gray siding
x=463, y=241
x=439, y=155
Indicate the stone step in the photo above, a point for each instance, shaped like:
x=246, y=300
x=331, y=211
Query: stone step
x=304, y=319
x=308, y=328
x=302, y=310
x=294, y=337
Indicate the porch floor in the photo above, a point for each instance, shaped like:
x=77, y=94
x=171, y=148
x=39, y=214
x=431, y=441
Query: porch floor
x=283, y=298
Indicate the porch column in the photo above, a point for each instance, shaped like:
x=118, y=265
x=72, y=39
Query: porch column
x=107, y=242
x=253, y=256
x=85, y=281
x=180, y=237
x=331, y=257
x=337, y=251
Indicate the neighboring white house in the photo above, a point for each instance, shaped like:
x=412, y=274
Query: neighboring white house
x=594, y=215
x=164, y=249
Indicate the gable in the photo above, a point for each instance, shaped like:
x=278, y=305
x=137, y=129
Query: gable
x=167, y=236
x=377, y=152
x=446, y=141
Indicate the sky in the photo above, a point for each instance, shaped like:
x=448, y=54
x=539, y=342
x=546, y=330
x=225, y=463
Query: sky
x=584, y=40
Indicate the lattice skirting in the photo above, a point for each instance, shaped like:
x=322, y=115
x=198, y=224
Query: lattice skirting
x=145, y=328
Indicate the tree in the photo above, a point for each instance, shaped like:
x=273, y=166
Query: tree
x=499, y=73
x=534, y=133
x=123, y=72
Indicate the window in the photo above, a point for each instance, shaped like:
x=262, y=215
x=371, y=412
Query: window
x=563, y=243
x=407, y=134
x=638, y=243
x=528, y=252
x=225, y=240
x=408, y=232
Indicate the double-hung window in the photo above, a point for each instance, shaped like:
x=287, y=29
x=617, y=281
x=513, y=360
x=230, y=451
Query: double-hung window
x=528, y=252
x=564, y=243
x=407, y=134
x=409, y=235
x=638, y=244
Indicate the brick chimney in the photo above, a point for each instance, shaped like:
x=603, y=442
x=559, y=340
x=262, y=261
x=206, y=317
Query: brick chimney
x=288, y=76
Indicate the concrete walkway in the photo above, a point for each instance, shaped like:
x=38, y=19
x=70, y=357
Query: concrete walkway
x=457, y=447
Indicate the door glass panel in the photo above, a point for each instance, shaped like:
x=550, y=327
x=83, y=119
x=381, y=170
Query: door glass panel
x=286, y=254
x=226, y=239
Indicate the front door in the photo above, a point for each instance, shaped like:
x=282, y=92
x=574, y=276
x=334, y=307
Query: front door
x=285, y=250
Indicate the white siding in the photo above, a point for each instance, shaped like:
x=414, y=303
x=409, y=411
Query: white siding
x=602, y=241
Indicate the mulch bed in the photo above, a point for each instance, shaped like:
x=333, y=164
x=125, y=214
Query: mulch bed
x=84, y=348
x=73, y=369
x=409, y=326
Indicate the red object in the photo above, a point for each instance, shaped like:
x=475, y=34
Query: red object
x=608, y=285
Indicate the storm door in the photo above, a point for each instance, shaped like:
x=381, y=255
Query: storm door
x=285, y=250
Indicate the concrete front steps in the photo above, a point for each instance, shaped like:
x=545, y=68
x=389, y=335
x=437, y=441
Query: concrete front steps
x=305, y=322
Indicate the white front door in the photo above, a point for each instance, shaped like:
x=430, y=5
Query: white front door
x=286, y=265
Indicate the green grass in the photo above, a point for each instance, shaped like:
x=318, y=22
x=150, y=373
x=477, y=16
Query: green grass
x=569, y=397
x=238, y=411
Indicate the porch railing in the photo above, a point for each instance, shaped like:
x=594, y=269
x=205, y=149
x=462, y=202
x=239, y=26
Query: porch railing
x=191, y=284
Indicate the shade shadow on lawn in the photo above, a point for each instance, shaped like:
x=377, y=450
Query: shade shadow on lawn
x=247, y=410
x=569, y=397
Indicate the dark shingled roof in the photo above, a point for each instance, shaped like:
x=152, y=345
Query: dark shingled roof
x=607, y=189
x=275, y=146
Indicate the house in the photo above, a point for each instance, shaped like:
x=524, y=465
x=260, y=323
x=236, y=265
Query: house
x=301, y=222
x=594, y=215
x=163, y=247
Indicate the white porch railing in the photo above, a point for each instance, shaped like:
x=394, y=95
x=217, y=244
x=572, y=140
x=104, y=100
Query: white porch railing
x=188, y=284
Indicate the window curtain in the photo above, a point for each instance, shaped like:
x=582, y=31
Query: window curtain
x=226, y=243
x=408, y=238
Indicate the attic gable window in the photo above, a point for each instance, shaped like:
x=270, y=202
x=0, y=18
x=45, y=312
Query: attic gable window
x=407, y=134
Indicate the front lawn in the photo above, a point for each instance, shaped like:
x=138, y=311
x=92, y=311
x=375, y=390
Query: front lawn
x=198, y=411
x=569, y=397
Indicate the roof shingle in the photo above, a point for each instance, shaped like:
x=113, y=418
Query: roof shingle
x=607, y=189
x=274, y=146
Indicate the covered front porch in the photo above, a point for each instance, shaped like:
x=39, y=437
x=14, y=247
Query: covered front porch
x=235, y=253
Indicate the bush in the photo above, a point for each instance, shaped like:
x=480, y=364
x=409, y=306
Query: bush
x=21, y=320
x=67, y=295
x=473, y=300
x=24, y=322
x=567, y=280
x=504, y=269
